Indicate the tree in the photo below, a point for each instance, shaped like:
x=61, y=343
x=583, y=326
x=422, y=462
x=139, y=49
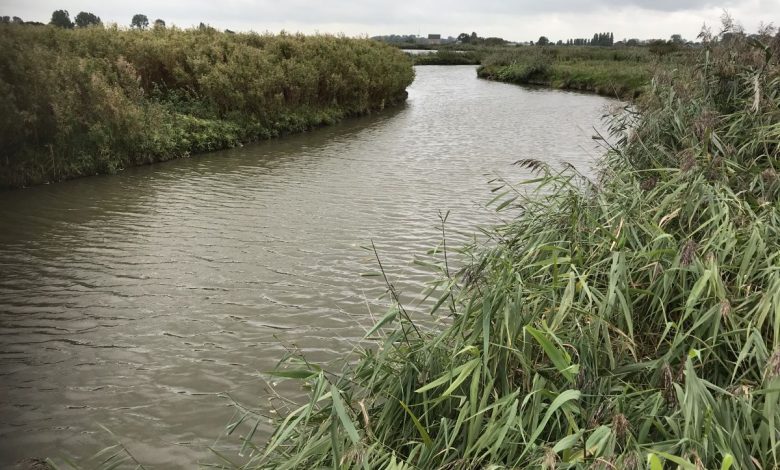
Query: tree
x=660, y=47
x=159, y=24
x=17, y=20
x=61, y=19
x=543, y=41
x=494, y=41
x=139, y=21
x=84, y=19
x=677, y=39
x=464, y=38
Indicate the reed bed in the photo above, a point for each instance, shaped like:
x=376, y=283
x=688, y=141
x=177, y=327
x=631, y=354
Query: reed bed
x=96, y=100
x=449, y=57
x=628, y=322
x=622, y=72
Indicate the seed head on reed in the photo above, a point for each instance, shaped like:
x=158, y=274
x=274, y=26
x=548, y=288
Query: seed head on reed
x=688, y=253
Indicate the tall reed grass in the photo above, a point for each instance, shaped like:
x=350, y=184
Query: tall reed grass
x=95, y=100
x=623, y=323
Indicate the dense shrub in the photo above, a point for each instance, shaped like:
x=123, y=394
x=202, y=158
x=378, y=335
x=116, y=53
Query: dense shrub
x=93, y=100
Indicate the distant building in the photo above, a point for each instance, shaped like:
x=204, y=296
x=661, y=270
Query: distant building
x=434, y=39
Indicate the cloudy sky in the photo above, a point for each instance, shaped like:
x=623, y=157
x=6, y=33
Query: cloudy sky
x=517, y=20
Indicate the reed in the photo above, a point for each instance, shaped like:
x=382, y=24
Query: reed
x=448, y=57
x=622, y=72
x=627, y=322
x=96, y=100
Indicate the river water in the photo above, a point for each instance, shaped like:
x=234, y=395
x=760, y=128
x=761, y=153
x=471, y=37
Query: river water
x=140, y=302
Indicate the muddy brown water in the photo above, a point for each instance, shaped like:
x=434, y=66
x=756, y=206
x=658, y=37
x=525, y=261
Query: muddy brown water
x=140, y=302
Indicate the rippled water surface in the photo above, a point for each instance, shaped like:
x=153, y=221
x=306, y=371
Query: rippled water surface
x=138, y=301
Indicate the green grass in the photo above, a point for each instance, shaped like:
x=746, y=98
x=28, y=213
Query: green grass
x=628, y=322
x=96, y=100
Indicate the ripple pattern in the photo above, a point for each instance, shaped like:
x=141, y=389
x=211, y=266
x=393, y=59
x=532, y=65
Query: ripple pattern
x=137, y=301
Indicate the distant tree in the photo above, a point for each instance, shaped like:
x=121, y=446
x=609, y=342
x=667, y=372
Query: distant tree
x=84, y=19
x=139, y=21
x=5, y=19
x=159, y=24
x=493, y=41
x=17, y=20
x=474, y=36
x=660, y=47
x=560, y=42
x=228, y=31
x=601, y=39
x=677, y=39
x=61, y=19
x=543, y=41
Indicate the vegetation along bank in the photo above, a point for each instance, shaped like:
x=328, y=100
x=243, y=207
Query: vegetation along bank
x=628, y=322
x=95, y=100
x=622, y=72
x=615, y=71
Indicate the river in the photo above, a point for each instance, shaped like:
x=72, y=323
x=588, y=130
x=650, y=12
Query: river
x=141, y=301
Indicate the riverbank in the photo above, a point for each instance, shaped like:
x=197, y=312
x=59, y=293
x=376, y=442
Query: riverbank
x=623, y=72
x=622, y=322
x=447, y=57
x=205, y=267
x=96, y=100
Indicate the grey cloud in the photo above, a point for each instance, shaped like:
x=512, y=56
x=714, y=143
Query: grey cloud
x=517, y=19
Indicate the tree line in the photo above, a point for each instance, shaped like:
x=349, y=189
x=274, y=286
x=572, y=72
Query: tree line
x=85, y=19
x=599, y=39
x=475, y=39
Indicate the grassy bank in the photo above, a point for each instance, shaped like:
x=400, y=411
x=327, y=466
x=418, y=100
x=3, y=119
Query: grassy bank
x=94, y=100
x=618, y=72
x=448, y=57
x=628, y=322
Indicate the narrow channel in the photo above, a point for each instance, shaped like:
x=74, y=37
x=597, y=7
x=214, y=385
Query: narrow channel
x=138, y=301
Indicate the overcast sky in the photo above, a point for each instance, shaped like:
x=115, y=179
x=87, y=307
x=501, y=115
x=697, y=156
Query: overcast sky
x=516, y=20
